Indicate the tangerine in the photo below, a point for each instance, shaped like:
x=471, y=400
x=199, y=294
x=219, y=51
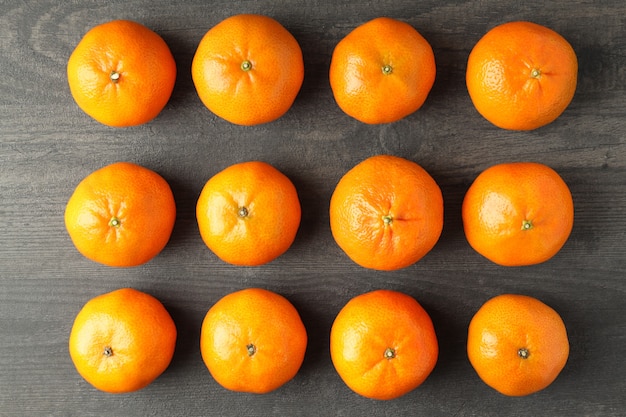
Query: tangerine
x=253, y=340
x=382, y=71
x=121, y=215
x=122, y=341
x=121, y=73
x=521, y=75
x=383, y=344
x=249, y=213
x=386, y=213
x=517, y=344
x=248, y=69
x=519, y=213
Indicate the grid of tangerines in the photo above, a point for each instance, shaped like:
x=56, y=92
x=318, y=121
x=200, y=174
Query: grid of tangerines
x=493, y=228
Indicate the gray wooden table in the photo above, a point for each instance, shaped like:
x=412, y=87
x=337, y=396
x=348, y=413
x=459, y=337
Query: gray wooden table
x=47, y=145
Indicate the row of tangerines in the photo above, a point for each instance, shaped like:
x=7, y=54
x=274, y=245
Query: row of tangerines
x=386, y=213
x=248, y=69
x=253, y=340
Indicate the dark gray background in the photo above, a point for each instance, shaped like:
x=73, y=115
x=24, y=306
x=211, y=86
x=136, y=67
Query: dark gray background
x=47, y=145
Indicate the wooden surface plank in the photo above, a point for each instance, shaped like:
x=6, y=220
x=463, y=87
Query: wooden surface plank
x=47, y=145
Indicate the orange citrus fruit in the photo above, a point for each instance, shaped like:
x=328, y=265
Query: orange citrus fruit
x=521, y=75
x=517, y=344
x=249, y=213
x=386, y=213
x=253, y=340
x=121, y=73
x=519, y=213
x=248, y=69
x=121, y=215
x=383, y=344
x=123, y=340
x=382, y=71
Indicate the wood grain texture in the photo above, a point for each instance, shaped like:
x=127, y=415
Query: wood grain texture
x=47, y=145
